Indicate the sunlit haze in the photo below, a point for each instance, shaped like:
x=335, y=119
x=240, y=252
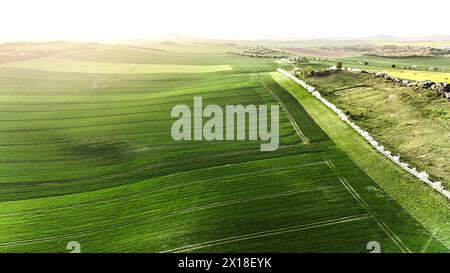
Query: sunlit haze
x=103, y=20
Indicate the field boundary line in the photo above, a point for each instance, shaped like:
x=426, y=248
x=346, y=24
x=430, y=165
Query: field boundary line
x=291, y=119
x=380, y=222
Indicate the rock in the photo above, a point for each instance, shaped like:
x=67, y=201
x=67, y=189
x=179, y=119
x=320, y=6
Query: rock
x=443, y=87
x=380, y=75
x=427, y=84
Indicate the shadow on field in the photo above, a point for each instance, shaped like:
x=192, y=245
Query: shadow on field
x=106, y=150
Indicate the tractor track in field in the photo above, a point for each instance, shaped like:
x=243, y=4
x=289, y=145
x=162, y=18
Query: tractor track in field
x=171, y=214
x=291, y=119
x=380, y=222
x=267, y=233
x=144, y=168
x=151, y=190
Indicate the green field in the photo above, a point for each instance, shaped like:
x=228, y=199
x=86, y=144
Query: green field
x=421, y=73
x=384, y=64
x=75, y=66
x=421, y=63
x=99, y=166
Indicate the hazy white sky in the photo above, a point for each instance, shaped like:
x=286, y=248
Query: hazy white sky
x=98, y=20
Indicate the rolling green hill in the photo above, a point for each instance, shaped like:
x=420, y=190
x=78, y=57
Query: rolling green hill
x=87, y=156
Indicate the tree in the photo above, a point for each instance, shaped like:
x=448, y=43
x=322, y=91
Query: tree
x=339, y=65
x=307, y=72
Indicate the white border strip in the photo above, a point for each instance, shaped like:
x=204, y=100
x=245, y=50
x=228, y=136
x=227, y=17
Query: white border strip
x=423, y=176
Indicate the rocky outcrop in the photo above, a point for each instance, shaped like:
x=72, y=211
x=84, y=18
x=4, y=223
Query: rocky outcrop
x=441, y=88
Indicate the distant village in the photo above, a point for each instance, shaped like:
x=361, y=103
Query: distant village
x=393, y=51
x=260, y=51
